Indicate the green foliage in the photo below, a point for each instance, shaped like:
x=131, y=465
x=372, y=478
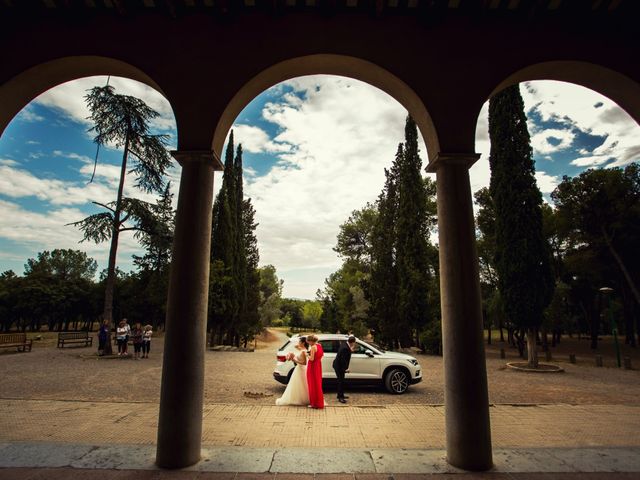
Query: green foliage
x=403, y=288
x=431, y=339
x=292, y=312
x=415, y=270
x=522, y=257
x=124, y=121
x=601, y=209
x=388, y=280
x=343, y=300
x=311, y=313
x=270, y=288
x=234, y=286
x=57, y=290
x=156, y=234
x=354, y=237
x=62, y=264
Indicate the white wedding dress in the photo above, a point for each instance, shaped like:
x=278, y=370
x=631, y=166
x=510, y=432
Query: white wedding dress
x=297, y=391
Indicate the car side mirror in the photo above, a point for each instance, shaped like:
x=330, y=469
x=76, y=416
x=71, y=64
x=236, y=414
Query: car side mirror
x=368, y=353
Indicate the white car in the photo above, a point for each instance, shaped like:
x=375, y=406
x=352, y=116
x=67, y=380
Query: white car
x=369, y=364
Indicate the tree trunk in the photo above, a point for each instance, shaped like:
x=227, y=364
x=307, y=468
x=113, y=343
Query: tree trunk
x=623, y=268
x=113, y=251
x=594, y=331
x=545, y=340
x=629, y=324
x=500, y=326
x=532, y=353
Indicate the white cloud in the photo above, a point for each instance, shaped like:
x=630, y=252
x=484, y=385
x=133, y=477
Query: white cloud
x=48, y=230
x=588, y=111
x=8, y=162
x=256, y=140
x=73, y=156
x=345, y=132
x=547, y=183
x=542, y=140
x=19, y=183
x=69, y=98
x=590, y=161
x=578, y=109
x=28, y=115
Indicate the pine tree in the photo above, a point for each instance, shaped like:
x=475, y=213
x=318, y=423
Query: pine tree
x=525, y=279
x=124, y=121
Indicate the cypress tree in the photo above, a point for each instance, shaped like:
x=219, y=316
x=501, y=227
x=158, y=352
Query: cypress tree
x=525, y=278
x=383, y=284
x=240, y=253
x=412, y=233
x=234, y=293
x=251, y=318
x=223, y=291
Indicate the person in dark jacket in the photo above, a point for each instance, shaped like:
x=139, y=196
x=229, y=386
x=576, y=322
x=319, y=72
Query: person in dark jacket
x=341, y=365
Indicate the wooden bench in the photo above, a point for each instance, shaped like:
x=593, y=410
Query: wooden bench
x=74, y=337
x=15, y=340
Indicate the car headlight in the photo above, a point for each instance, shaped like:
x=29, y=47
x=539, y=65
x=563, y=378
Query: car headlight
x=414, y=361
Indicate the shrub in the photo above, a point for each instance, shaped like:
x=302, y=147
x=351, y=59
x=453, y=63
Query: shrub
x=431, y=338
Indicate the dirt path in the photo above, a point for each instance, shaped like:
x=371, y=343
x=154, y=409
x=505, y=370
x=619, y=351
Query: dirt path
x=246, y=378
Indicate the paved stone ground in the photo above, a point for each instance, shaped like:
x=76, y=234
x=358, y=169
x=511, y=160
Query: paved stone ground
x=84, y=474
x=393, y=426
x=232, y=377
x=69, y=403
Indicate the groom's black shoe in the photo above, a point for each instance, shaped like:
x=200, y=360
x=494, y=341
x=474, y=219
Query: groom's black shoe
x=342, y=400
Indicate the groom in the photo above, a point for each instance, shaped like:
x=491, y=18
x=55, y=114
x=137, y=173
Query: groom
x=341, y=365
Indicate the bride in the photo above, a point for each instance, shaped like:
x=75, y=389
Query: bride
x=297, y=391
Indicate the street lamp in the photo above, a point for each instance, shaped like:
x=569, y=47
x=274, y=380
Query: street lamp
x=606, y=292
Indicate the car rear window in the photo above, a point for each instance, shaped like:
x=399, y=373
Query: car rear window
x=285, y=345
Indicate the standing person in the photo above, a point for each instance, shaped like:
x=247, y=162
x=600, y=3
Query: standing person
x=126, y=341
x=103, y=337
x=136, y=335
x=146, y=341
x=297, y=391
x=121, y=337
x=341, y=365
x=314, y=372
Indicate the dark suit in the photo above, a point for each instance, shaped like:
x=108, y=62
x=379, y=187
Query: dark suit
x=341, y=365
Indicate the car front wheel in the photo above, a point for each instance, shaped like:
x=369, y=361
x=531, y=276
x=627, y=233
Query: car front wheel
x=396, y=381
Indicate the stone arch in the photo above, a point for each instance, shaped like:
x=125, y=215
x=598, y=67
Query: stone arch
x=329, y=64
x=16, y=93
x=610, y=83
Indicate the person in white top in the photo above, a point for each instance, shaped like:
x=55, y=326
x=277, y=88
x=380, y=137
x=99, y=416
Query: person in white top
x=297, y=391
x=126, y=341
x=121, y=337
x=146, y=341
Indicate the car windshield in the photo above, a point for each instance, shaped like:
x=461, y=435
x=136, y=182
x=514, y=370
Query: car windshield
x=376, y=346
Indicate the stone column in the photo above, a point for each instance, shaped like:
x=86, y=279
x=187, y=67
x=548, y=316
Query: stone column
x=468, y=431
x=182, y=389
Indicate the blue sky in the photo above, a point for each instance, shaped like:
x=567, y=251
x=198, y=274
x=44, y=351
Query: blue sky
x=315, y=149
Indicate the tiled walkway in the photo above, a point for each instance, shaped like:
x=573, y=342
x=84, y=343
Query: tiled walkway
x=109, y=440
x=394, y=426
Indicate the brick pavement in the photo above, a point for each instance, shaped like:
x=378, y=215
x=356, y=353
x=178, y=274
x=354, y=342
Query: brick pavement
x=392, y=426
